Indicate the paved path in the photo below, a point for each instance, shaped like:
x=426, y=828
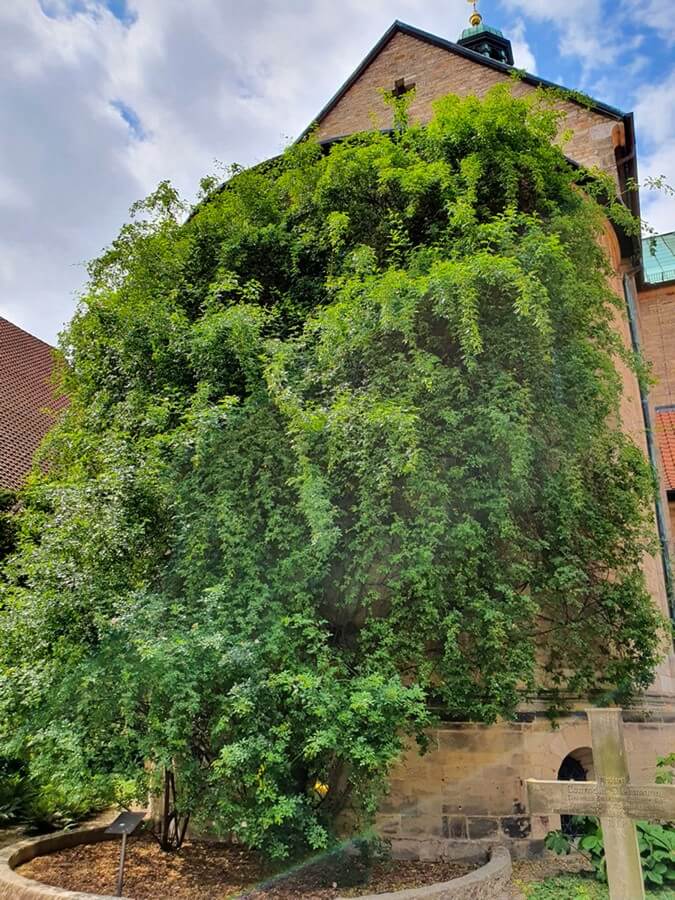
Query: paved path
x=10, y=836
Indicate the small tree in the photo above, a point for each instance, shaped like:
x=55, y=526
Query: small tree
x=342, y=447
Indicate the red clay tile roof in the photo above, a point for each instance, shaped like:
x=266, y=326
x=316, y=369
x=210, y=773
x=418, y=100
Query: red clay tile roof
x=665, y=435
x=26, y=395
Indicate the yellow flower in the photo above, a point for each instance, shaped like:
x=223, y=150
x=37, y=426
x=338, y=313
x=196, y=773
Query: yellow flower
x=321, y=789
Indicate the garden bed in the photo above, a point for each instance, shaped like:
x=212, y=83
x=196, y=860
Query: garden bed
x=564, y=878
x=205, y=871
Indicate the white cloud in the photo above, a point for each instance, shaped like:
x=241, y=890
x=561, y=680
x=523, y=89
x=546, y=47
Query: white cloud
x=655, y=121
x=658, y=205
x=602, y=33
x=656, y=14
x=655, y=110
x=584, y=31
x=208, y=79
x=522, y=52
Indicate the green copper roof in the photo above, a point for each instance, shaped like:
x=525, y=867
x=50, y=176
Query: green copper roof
x=480, y=29
x=658, y=254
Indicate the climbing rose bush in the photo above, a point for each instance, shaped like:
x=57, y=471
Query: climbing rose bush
x=342, y=455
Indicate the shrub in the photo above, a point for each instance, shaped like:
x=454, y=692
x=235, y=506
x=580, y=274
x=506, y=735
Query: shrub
x=39, y=808
x=341, y=448
x=657, y=849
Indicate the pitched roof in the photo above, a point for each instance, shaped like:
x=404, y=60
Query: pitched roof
x=26, y=398
x=402, y=28
x=665, y=435
x=658, y=254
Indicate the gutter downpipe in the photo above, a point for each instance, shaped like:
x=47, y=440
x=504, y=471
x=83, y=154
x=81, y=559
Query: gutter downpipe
x=651, y=448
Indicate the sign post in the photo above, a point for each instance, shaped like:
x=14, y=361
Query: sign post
x=125, y=824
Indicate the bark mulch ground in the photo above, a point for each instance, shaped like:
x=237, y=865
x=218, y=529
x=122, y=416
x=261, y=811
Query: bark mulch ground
x=204, y=871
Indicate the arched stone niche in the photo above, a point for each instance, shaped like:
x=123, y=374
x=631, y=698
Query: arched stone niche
x=578, y=762
x=576, y=766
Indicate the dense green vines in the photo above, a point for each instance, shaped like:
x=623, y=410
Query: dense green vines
x=340, y=450
x=7, y=523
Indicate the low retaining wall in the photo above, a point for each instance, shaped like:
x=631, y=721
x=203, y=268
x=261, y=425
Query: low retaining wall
x=488, y=883
x=15, y=887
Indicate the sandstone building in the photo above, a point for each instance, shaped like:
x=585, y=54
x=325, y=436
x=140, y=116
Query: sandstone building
x=470, y=787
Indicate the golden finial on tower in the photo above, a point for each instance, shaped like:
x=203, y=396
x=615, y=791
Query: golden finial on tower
x=476, y=17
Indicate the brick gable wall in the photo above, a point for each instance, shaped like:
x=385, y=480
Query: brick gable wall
x=437, y=72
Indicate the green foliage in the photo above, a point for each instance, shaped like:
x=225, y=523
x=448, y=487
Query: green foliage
x=341, y=447
x=13, y=799
x=8, y=523
x=565, y=887
x=559, y=842
x=664, y=769
x=38, y=807
x=570, y=887
x=657, y=849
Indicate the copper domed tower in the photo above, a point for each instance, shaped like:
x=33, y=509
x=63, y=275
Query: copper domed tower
x=487, y=41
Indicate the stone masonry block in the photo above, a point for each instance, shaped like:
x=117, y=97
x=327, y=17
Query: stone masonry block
x=455, y=828
x=482, y=828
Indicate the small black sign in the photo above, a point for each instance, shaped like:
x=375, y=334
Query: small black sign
x=126, y=823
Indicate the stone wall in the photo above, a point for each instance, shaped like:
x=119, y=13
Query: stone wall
x=469, y=791
x=487, y=883
x=657, y=330
x=437, y=72
x=633, y=423
x=15, y=887
x=656, y=310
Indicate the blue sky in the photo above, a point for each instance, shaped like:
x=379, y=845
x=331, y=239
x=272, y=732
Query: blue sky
x=59, y=9
x=101, y=99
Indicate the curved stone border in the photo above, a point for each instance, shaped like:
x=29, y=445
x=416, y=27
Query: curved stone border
x=488, y=883
x=15, y=887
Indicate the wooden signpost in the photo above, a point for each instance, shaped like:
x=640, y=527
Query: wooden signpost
x=613, y=799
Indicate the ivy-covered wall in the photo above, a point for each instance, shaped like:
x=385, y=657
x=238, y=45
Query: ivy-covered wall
x=344, y=454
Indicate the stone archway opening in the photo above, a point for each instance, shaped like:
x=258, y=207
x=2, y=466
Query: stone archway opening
x=577, y=766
